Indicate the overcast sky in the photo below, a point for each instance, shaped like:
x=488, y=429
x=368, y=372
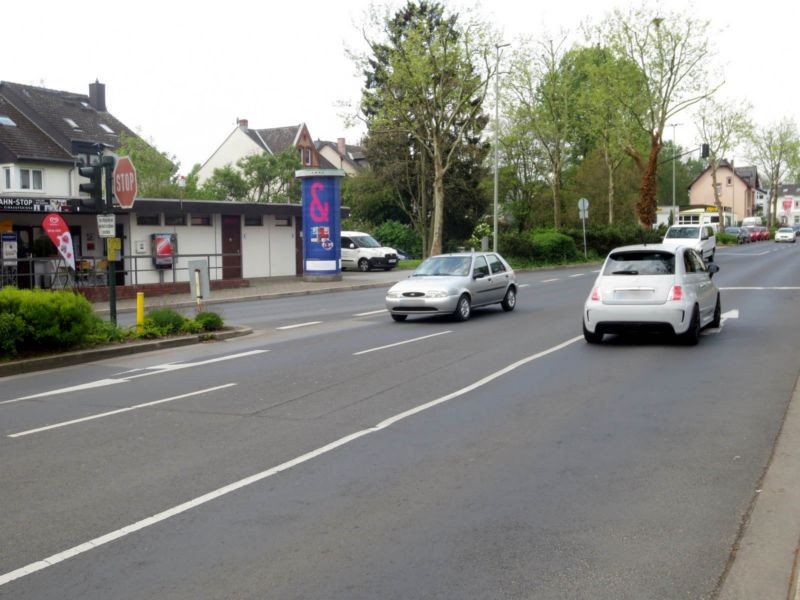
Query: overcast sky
x=181, y=73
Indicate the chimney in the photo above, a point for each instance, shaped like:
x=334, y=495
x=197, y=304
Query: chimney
x=341, y=147
x=97, y=96
x=242, y=123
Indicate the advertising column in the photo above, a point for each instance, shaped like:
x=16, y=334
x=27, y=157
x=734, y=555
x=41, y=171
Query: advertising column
x=322, y=250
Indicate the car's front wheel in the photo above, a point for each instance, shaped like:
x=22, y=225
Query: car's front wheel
x=363, y=265
x=510, y=300
x=463, y=309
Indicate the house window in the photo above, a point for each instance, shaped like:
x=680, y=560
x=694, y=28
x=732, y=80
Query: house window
x=106, y=128
x=174, y=219
x=718, y=188
x=6, y=120
x=729, y=181
x=7, y=173
x=148, y=220
x=30, y=179
x=253, y=221
x=283, y=221
x=308, y=156
x=201, y=220
x=71, y=123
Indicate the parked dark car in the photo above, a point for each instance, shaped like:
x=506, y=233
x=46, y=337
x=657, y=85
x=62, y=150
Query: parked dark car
x=742, y=236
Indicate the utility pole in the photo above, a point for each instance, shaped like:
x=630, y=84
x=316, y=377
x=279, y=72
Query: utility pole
x=674, y=156
x=496, y=137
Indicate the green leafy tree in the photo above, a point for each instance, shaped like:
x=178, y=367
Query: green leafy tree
x=226, y=183
x=155, y=171
x=671, y=52
x=270, y=177
x=426, y=79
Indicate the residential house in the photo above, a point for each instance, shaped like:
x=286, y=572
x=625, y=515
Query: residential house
x=788, y=208
x=737, y=189
x=351, y=159
x=243, y=141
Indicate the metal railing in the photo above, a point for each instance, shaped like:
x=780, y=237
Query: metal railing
x=52, y=273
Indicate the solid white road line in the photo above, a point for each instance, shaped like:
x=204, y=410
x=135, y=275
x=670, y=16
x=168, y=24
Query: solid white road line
x=181, y=508
x=285, y=327
x=118, y=411
x=773, y=288
x=372, y=312
x=156, y=370
x=425, y=337
x=548, y=280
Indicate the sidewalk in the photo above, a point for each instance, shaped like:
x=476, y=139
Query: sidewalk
x=263, y=288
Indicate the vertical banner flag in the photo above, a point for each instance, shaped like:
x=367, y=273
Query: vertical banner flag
x=321, y=228
x=57, y=230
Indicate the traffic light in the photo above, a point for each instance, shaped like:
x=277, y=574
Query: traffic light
x=94, y=173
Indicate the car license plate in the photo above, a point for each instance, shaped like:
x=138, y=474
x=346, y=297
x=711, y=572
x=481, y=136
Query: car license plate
x=631, y=294
x=392, y=260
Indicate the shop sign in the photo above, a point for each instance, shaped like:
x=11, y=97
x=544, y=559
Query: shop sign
x=34, y=204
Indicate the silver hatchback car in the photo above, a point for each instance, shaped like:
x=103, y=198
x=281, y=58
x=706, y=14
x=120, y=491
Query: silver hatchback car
x=652, y=287
x=454, y=284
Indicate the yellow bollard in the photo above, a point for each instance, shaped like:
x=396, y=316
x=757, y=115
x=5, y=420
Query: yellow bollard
x=139, y=311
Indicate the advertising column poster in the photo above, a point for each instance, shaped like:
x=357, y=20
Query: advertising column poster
x=321, y=224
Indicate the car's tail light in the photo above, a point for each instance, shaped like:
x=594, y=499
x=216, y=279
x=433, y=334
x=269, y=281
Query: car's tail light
x=676, y=293
x=595, y=294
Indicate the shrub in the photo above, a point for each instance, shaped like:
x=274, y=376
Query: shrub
x=44, y=320
x=396, y=235
x=209, y=321
x=726, y=238
x=191, y=327
x=166, y=320
x=553, y=247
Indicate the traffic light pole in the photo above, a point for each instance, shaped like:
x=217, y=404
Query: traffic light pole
x=108, y=163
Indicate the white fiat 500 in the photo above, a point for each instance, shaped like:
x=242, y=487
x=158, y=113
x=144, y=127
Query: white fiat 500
x=652, y=287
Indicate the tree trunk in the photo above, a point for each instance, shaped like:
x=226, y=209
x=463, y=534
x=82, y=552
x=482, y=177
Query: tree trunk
x=646, y=207
x=438, y=204
x=610, y=169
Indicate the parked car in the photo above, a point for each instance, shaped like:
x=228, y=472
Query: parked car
x=751, y=230
x=454, y=284
x=699, y=237
x=403, y=255
x=652, y=287
x=742, y=236
x=361, y=251
x=785, y=234
x=796, y=228
x=763, y=232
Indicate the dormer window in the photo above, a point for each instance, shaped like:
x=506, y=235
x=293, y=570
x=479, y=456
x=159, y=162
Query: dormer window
x=70, y=122
x=106, y=128
x=6, y=120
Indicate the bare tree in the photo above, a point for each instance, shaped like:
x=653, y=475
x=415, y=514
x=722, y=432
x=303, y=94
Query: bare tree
x=776, y=150
x=722, y=127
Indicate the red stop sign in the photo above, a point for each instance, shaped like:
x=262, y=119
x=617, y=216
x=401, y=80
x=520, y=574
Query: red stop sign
x=125, y=182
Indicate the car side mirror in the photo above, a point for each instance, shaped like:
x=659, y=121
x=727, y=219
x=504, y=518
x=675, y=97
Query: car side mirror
x=712, y=268
x=477, y=275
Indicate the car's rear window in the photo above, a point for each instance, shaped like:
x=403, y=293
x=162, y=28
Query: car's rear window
x=640, y=262
x=683, y=232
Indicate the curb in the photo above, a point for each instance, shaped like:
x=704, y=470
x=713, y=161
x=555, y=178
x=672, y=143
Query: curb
x=77, y=357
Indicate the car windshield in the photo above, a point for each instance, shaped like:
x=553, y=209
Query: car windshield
x=786, y=230
x=366, y=241
x=444, y=266
x=640, y=262
x=683, y=232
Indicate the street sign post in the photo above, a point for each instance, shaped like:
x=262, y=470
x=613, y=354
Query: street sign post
x=106, y=225
x=125, y=182
x=583, y=211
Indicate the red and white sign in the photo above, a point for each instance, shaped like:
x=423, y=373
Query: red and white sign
x=787, y=204
x=125, y=182
x=58, y=231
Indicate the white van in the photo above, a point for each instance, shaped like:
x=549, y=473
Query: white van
x=698, y=237
x=361, y=251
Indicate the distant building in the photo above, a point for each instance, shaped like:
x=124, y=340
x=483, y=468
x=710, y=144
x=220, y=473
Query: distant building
x=788, y=208
x=243, y=142
x=737, y=190
x=351, y=159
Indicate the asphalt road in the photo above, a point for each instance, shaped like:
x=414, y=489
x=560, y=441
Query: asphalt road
x=337, y=454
